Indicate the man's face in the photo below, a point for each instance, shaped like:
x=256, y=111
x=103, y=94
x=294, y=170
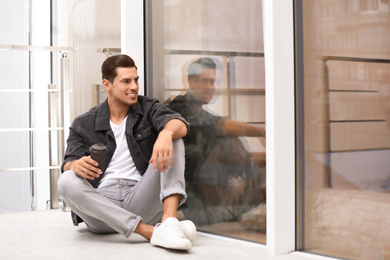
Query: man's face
x=202, y=87
x=124, y=89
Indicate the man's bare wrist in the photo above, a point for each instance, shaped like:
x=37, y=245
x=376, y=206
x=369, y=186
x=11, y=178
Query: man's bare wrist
x=167, y=132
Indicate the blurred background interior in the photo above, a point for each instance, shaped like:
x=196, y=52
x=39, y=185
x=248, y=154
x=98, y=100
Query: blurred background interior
x=50, y=58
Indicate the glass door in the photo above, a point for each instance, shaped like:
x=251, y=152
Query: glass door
x=225, y=173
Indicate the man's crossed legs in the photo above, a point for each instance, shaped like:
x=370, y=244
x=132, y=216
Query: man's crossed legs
x=127, y=206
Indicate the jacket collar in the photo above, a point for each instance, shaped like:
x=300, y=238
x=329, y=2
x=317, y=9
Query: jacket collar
x=136, y=109
x=103, y=115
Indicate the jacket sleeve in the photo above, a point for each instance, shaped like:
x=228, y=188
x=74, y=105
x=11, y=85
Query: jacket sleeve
x=75, y=146
x=161, y=114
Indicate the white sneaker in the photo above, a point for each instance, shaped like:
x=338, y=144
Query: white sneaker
x=189, y=229
x=170, y=235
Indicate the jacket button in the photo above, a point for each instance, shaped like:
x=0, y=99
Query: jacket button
x=139, y=135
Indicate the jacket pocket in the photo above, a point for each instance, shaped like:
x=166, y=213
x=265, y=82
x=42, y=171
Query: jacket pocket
x=142, y=134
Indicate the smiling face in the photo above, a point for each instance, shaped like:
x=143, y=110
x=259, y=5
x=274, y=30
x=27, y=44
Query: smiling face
x=202, y=87
x=123, y=91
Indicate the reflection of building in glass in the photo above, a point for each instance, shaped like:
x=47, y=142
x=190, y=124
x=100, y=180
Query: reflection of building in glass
x=346, y=46
x=356, y=28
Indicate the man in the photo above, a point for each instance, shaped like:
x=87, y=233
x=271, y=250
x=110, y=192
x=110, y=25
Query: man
x=217, y=164
x=142, y=180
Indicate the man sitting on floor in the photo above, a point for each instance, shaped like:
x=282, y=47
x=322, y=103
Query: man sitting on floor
x=142, y=179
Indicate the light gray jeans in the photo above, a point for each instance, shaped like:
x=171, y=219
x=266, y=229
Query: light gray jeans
x=120, y=206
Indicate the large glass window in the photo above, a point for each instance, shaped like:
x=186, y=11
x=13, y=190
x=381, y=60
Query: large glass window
x=50, y=58
x=206, y=60
x=344, y=72
x=25, y=95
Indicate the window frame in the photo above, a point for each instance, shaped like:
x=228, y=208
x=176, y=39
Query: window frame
x=280, y=109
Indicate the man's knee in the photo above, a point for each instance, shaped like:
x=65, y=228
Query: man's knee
x=67, y=183
x=178, y=146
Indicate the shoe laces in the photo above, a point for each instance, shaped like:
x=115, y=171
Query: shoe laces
x=174, y=230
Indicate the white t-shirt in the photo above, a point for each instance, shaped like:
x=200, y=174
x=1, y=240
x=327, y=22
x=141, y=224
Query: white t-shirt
x=121, y=165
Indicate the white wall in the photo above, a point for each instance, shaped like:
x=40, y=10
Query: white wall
x=87, y=26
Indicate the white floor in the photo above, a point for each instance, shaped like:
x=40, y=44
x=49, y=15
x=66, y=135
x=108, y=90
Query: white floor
x=51, y=235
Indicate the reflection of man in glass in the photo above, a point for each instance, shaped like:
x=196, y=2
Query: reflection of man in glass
x=223, y=178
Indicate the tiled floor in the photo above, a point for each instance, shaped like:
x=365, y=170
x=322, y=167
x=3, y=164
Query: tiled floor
x=50, y=235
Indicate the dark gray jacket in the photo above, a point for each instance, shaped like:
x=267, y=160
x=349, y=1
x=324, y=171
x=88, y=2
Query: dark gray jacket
x=146, y=119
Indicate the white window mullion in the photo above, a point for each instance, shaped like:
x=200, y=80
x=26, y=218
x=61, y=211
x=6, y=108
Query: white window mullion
x=132, y=36
x=279, y=68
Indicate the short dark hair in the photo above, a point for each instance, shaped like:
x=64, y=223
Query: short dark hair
x=196, y=67
x=111, y=63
